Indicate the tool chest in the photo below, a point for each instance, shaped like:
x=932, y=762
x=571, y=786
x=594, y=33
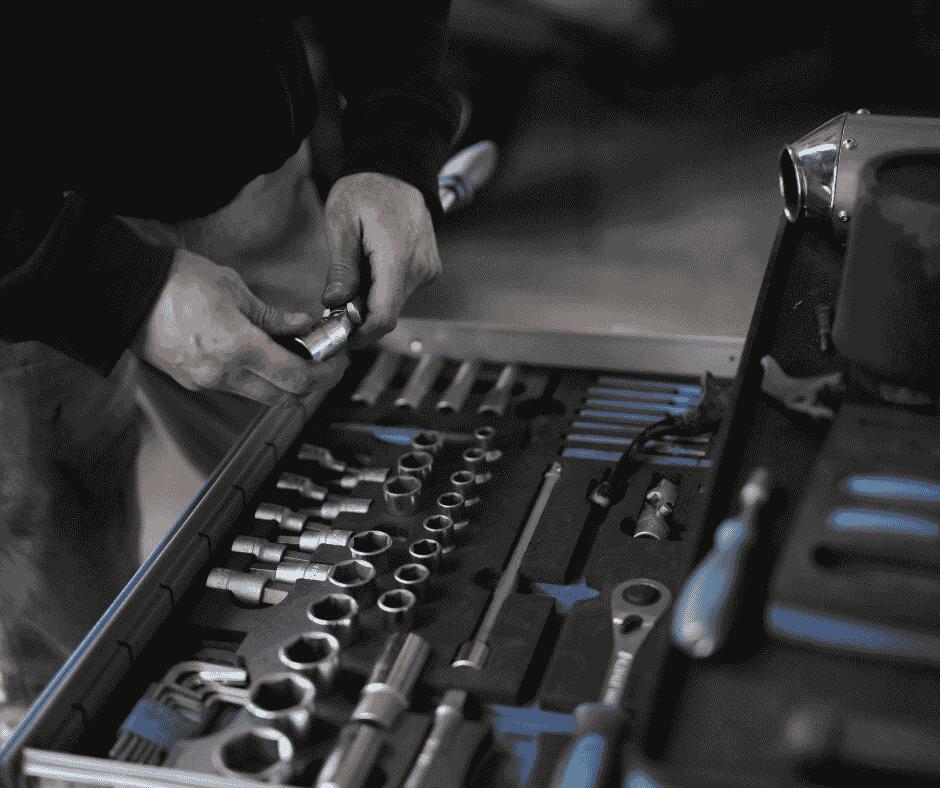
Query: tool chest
x=306, y=625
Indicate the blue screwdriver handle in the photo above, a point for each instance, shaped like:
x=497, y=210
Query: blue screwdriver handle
x=592, y=758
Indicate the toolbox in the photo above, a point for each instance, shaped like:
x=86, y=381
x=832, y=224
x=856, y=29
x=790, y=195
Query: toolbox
x=332, y=664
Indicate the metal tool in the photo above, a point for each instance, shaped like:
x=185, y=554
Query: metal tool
x=332, y=333
x=440, y=528
x=640, y=419
x=653, y=521
x=283, y=701
x=336, y=614
x=639, y=395
x=312, y=537
x=474, y=652
x=355, y=578
x=649, y=447
x=399, y=608
x=284, y=516
x=413, y=577
x=474, y=460
x=801, y=395
x=426, y=552
x=356, y=476
x=824, y=327
x=420, y=382
x=598, y=455
x=336, y=505
x=320, y=455
x=455, y=396
x=631, y=406
x=427, y=441
x=685, y=389
x=379, y=377
x=382, y=701
x=484, y=436
x=302, y=485
x=706, y=608
x=496, y=400
x=464, y=483
x=262, y=754
x=591, y=759
x=252, y=589
x=419, y=464
x=374, y=547
x=453, y=506
x=402, y=494
x=819, y=735
x=447, y=718
x=314, y=654
x=292, y=571
x=263, y=550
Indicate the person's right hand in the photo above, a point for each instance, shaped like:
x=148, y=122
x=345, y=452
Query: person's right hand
x=209, y=331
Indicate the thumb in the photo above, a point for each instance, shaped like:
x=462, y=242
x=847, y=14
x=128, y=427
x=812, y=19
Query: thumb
x=342, y=279
x=271, y=319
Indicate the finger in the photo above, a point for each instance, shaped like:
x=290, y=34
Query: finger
x=271, y=319
x=386, y=299
x=263, y=356
x=342, y=278
x=331, y=372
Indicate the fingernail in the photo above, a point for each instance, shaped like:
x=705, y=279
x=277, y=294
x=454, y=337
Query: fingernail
x=297, y=319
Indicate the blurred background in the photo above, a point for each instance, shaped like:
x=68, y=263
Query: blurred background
x=637, y=188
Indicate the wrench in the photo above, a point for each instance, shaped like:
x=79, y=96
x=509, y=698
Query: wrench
x=591, y=758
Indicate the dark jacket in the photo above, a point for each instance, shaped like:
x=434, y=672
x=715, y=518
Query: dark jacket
x=166, y=117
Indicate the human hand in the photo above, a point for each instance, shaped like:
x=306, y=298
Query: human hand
x=385, y=221
x=207, y=330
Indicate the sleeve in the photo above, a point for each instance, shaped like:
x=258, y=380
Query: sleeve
x=386, y=59
x=86, y=289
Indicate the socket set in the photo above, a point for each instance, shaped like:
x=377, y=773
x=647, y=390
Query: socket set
x=405, y=588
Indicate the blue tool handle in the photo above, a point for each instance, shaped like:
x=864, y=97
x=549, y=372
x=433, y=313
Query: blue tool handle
x=592, y=759
x=705, y=609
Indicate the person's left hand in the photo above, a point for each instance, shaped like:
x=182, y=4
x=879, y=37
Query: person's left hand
x=385, y=221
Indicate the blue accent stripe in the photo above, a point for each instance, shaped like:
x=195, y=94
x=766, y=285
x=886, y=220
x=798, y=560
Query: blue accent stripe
x=599, y=425
x=567, y=595
x=586, y=758
x=853, y=635
x=529, y=721
x=893, y=488
x=649, y=396
x=654, y=385
x=651, y=407
x=873, y=521
x=637, y=418
x=577, y=453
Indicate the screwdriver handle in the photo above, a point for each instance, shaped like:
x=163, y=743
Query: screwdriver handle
x=464, y=173
x=706, y=607
x=591, y=759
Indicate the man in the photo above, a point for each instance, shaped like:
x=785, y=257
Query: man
x=145, y=151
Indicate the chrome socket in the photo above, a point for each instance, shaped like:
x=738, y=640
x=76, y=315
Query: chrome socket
x=355, y=578
x=402, y=494
x=440, y=528
x=262, y=549
x=414, y=578
x=464, y=482
x=427, y=441
x=307, y=488
x=284, y=516
x=419, y=464
x=474, y=460
x=427, y=552
x=284, y=701
x=321, y=456
x=262, y=754
x=484, y=436
x=338, y=615
x=452, y=505
x=315, y=654
x=251, y=589
x=291, y=571
x=399, y=608
x=312, y=538
x=374, y=547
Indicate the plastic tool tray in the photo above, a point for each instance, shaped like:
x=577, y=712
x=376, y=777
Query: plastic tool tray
x=552, y=642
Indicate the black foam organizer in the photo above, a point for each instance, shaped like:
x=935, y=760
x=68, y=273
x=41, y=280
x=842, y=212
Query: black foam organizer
x=545, y=653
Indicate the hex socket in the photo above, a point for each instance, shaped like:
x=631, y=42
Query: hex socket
x=427, y=441
x=474, y=460
x=402, y=494
x=263, y=754
x=354, y=577
x=452, y=505
x=414, y=578
x=484, y=436
x=374, y=547
x=440, y=528
x=284, y=701
x=315, y=654
x=399, y=608
x=419, y=464
x=426, y=552
x=337, y=614
x=463, y=482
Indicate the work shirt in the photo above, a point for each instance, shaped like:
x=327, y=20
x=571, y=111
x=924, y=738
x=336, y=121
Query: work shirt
x=167, y=117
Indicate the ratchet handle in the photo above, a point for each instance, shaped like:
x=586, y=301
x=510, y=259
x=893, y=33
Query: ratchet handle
x=592, y=758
